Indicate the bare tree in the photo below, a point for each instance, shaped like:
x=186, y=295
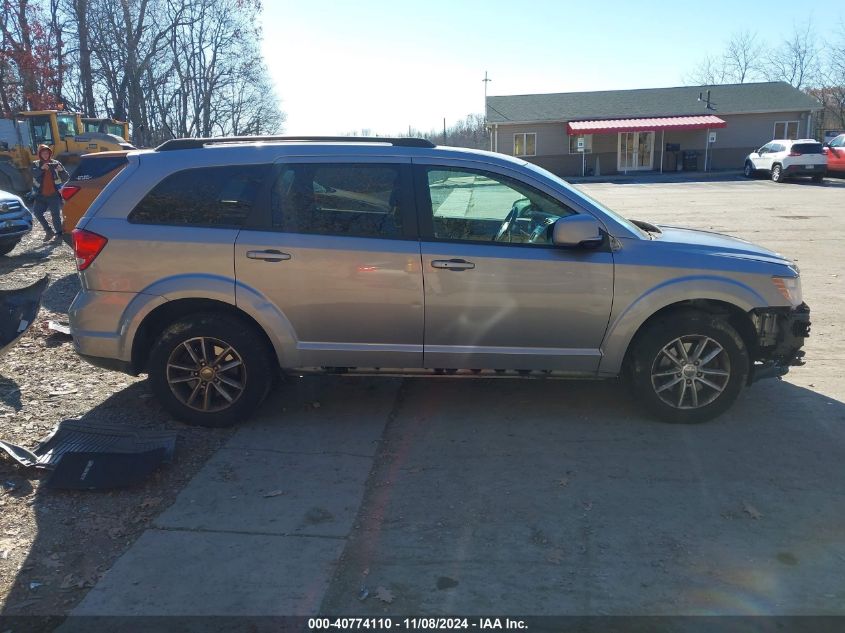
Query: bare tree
x=742, y=58
x=832, y=93
x=739, y=63
x=710, y=71
x=797, y=62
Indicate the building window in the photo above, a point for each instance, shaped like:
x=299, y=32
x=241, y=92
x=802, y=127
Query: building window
x=786, y=129
x=525, y=144
x=588, y=144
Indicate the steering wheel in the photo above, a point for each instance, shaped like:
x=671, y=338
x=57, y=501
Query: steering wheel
x=538, y=235
x=507, y=224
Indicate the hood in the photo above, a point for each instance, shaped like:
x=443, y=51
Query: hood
x=722, y=245
x=41, y=148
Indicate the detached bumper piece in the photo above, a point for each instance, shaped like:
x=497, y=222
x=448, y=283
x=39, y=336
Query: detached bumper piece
x=18, y=309
x=89, y=456
x=781, y=333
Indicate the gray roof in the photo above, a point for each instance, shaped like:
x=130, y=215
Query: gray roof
x=774, y=96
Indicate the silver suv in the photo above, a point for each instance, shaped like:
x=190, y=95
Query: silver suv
x=211, y=263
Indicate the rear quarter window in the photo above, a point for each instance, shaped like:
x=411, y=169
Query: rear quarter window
x=204, y=196
x=807, y=148
x=96, y=167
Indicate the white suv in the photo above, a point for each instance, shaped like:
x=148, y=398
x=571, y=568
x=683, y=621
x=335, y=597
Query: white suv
x=786, y=158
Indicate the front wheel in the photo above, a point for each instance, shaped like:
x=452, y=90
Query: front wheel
x=748, y=170
x=211, y=369
x=688, y=367
x=777, y=173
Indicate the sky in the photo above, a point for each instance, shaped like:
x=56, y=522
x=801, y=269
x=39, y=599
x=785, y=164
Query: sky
x=383, y=66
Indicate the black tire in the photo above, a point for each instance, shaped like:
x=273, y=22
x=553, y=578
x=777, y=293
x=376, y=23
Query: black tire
x=777, y=173
x=818, y=178
x=7, y=248
x=245, y=374
x=749, y=170
x=651, y=370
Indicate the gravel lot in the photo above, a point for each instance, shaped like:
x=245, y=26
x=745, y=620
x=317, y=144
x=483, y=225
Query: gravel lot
x=55, y=545
x=505, y=496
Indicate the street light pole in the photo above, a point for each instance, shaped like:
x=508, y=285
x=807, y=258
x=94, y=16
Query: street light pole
x=486, y=81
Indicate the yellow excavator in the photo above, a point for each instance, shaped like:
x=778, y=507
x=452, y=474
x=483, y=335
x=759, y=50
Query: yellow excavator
x=68, y=134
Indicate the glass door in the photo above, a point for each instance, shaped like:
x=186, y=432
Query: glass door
x=636, y=151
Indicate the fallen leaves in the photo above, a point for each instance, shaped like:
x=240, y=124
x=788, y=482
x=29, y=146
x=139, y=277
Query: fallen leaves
x=384, y=594
x=751, y=511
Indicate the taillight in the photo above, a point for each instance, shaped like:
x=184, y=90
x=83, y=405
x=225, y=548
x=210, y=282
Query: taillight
x=68, y=191
x=86, y=247
x=794, y=153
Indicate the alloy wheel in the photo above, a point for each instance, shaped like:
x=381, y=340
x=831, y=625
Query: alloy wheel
x=690, y=372
x=206, y=374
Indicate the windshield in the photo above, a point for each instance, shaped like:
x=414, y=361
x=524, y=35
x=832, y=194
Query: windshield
x=67, y=125
x=624, y=221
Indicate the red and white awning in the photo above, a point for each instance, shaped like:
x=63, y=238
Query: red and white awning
x=609, y=126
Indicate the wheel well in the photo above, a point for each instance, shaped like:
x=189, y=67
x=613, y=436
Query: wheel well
x=157, y=320
x=739, y=319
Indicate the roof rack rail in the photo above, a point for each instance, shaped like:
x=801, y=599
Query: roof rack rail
x=195, y=143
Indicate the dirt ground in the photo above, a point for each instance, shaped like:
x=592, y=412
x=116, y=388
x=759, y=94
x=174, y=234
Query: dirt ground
x=54, y=545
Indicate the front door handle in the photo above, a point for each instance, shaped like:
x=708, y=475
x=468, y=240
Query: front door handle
x=268, y=256
x=452, y=264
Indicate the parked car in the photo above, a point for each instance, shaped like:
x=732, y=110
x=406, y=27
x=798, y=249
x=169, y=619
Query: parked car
x=211, y=263
x=835, y=152
x=93, y=172
x=786, y=158
x=15, y=221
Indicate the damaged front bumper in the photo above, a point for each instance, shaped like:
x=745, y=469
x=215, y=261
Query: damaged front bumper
x=781, y=333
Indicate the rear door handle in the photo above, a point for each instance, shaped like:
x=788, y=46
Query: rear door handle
x=268, y=256
x=452, y=264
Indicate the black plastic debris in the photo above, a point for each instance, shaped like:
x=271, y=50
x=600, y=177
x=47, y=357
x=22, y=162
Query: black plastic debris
x=96, y=456
x=18, y=309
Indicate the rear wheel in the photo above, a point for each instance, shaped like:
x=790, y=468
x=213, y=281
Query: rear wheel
x=211, y=369
x=748, y=170
x=688, y=367
x=777, y=173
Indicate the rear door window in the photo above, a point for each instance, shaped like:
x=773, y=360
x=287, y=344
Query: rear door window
x=205, y=196
x=96, y=167
x=356, y=200
x=807, y=148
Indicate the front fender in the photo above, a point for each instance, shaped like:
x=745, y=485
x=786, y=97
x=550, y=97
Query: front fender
x=625, y=324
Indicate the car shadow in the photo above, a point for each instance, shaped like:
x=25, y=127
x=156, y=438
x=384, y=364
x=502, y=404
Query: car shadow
x=10, y=393
x=59, y=295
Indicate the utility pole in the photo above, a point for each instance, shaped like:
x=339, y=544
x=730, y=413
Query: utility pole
x=486, y=81
x=444, y=130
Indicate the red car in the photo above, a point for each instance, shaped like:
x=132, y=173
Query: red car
x=835, y=151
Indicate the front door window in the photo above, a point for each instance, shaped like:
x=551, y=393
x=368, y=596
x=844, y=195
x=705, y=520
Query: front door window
x=636, y=151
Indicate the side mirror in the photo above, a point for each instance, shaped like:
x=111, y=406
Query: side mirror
x=577, y=230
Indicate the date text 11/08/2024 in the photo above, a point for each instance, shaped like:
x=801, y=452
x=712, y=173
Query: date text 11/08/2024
x=437, y=624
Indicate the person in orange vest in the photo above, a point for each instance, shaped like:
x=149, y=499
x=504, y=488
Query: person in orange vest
x=48, y=175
